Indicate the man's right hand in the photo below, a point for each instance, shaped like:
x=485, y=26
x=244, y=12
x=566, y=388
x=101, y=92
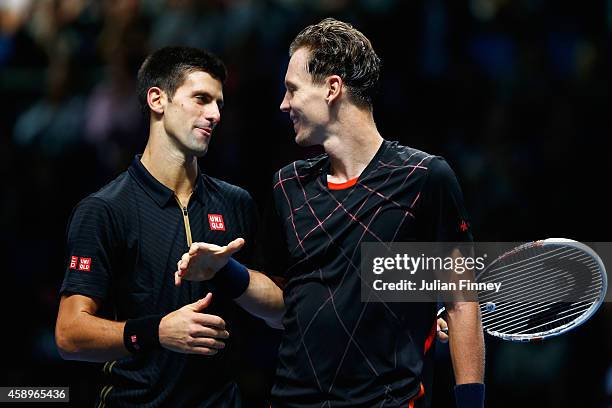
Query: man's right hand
x=204, y=260
x=186, y=330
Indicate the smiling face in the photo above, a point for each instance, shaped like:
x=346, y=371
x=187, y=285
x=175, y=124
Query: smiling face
x=305, y=101
x=192, y=113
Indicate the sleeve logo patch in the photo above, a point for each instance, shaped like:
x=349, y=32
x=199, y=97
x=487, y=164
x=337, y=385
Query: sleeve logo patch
x=81, y=264
x=85, y=264
x=463, y=226
x=73, y=262
x=216, y=222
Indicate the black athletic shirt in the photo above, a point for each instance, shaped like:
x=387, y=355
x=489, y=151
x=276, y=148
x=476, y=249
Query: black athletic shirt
x=337, y=351
x=123, y=244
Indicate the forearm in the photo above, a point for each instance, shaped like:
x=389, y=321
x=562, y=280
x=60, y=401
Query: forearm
x=90, y=338
x=81, y=335
x=264, y=299
x=466, y=342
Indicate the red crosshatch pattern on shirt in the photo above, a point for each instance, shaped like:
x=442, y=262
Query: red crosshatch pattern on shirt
x=216, y=222
x=73, y=262
x=85, y=264
x=373, y=193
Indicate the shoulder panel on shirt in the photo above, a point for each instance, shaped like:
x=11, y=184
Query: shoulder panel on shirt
x=224, y=188
x=304, y=169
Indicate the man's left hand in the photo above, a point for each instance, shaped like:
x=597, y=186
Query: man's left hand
x=442, y=330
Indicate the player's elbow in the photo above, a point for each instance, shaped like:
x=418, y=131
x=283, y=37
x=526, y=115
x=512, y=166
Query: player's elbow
x=275, y=318
x=67, y=346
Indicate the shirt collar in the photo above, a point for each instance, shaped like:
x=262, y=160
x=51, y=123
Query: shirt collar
x=161, y=194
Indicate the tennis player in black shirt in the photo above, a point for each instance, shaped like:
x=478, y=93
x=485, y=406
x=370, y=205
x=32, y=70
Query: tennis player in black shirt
x=163, y=345
x=337, y=351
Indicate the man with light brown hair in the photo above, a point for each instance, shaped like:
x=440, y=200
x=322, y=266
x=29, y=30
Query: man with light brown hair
x=336, y=350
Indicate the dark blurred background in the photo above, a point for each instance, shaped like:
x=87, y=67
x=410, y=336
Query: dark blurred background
x=515, y=94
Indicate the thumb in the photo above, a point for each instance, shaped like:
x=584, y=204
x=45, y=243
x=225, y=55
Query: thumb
x=202, y=303
x=235, y=246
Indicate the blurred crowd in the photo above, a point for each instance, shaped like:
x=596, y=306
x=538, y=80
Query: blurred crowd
x=515, y=94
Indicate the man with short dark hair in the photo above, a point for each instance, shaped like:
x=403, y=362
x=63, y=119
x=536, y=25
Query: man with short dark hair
x=337, y=351
x=163, y=345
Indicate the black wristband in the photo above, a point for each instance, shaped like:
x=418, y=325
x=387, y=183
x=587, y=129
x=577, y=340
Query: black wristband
x=142, y=334
x=233, y=279
x=470, y=395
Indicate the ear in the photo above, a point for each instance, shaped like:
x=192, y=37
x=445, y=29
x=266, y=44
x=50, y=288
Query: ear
x=156, y=99
x=334, y=88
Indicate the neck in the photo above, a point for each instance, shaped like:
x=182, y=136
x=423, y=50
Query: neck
x=169, y=166
x=352, y=145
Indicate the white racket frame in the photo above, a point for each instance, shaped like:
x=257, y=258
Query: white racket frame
x=570, y=325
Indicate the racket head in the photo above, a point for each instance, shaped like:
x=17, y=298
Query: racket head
x=566, y=280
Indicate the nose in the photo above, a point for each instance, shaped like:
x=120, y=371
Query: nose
x=284, y=106
x=213, y=114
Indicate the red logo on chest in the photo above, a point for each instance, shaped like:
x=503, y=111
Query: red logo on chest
x=216, y=222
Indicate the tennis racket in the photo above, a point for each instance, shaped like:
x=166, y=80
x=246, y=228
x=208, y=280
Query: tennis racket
x=549, y=287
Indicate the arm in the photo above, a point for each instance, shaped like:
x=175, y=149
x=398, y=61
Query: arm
x=466, y=342
x=445, y=219
x=81, y=335
x=262, y=297
x=466, y=339
x=466, y=346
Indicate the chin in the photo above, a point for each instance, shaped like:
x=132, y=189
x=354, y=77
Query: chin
x=308, y=140
x=199, y=151
x=303, y=141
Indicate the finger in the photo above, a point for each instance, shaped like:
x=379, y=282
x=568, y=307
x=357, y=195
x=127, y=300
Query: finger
x=185, y=259
x=442, y=336
x=210, y=321
x=202, y=304
x=205, y=331
x=442, y=330
x=442, y=324
x=234, y=246
x=202, y=247
x=195, y=247
x=207, y=342
x=205, y=351
x=177, y=278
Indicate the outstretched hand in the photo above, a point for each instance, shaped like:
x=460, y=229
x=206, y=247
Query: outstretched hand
x=204, y=260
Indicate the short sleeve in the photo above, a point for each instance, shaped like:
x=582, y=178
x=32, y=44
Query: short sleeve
x=250, y=215
x=90, y=246
x=273, y=254
x=443, y=214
